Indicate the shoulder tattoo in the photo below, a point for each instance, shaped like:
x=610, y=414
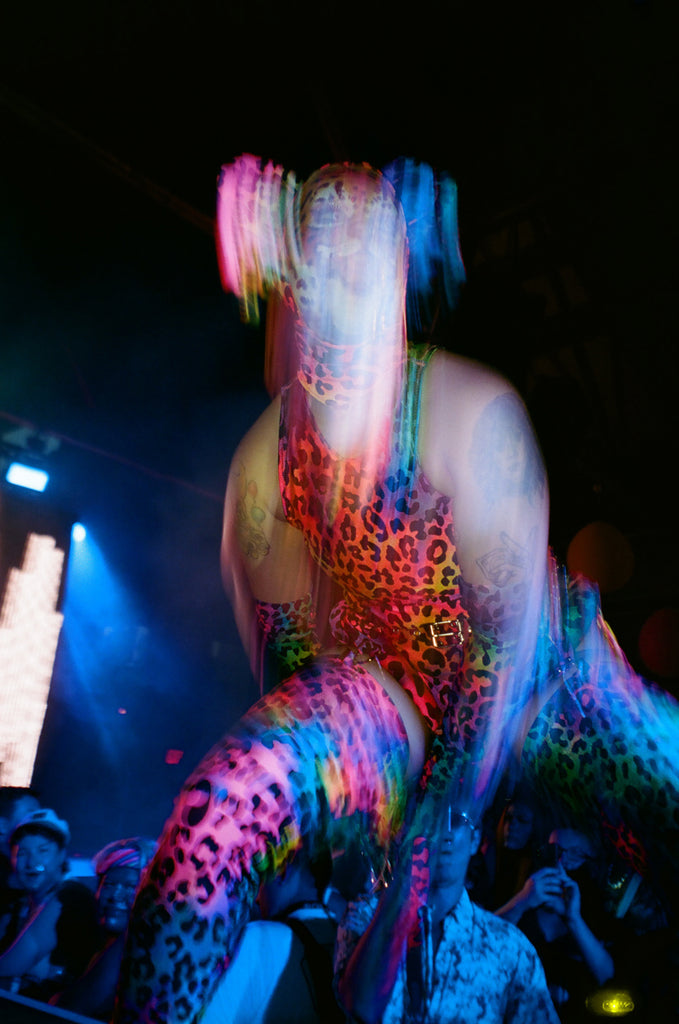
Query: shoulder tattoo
x=504, y=453
x=250, y=517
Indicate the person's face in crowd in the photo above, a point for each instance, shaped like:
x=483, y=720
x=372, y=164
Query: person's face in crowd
x=573, y=850
x=518, y=826
x=115, y=897
x=38, y=861
x=456, y=841
x=22, y=807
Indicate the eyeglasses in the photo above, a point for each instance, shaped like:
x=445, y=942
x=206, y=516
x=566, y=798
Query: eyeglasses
x=456, y=820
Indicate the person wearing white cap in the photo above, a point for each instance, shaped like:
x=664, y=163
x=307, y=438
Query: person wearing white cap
x=15, y=803
x=51, y=935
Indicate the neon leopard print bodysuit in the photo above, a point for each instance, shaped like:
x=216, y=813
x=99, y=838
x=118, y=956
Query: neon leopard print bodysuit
x=324, y=750
x=388, y=543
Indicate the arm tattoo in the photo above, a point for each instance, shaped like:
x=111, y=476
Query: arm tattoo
x=249, y=519
x=505, y=564
x=496, y=610
x=504, y=453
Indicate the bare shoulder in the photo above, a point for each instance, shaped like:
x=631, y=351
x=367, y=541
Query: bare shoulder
x=461, y=384
x=252, y=491
x=256, y=456
x=465, y=405
x=262, y=437
x=478, y=446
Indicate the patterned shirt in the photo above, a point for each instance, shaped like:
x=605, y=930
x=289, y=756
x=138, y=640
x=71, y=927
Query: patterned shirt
x=484, y=971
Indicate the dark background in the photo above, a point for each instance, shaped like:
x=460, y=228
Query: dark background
x=558, y=121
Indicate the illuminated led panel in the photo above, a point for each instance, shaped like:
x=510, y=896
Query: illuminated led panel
x=29, y=633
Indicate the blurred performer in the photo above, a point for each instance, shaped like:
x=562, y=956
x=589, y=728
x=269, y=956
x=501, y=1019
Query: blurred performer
x=385, y=536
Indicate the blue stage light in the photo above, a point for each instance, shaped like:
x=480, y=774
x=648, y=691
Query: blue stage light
x=27, y=476
x=78, y=532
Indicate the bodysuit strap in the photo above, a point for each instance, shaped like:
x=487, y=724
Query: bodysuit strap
x=409, y=426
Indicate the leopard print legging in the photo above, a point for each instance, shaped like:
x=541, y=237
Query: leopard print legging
x=324, y=751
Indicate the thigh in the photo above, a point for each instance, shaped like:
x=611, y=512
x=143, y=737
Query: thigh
x=325, y=750
x=414, y=723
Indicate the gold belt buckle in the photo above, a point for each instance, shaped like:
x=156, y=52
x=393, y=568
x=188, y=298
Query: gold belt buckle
x=438, y=633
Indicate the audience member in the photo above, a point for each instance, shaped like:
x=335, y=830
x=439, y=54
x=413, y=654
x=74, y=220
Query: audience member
x=447, y=960
x=506, y=857
x=282, y=972
x=645, y=945
x=357, y=869
x=15, y=803
x=51, y=932
x=561, y=910
x=519, y=883
x=118, y=868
